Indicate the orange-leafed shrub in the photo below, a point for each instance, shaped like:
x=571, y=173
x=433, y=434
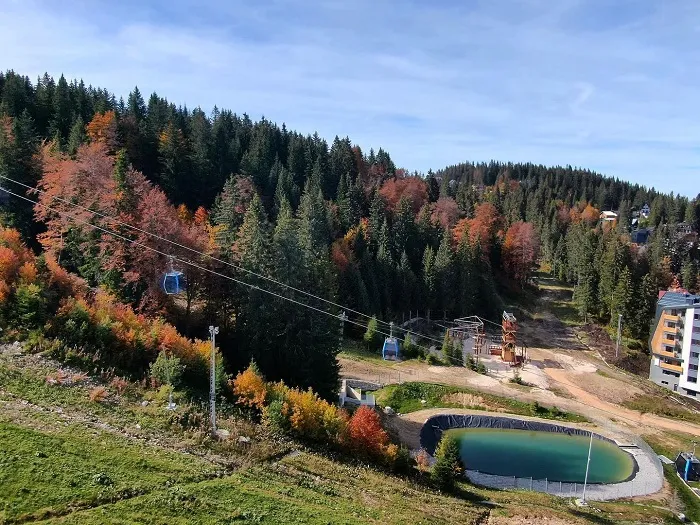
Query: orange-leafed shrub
x=250, y=388
x=311, y=417
x=365, y=433
x=423, y=460
x=98, y=394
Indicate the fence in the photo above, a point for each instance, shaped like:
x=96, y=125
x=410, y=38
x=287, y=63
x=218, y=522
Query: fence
x=647, y=480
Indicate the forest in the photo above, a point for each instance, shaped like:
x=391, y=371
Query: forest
x=274, y=231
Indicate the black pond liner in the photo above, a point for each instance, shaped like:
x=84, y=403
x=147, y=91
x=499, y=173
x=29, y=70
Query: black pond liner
x=432, y=429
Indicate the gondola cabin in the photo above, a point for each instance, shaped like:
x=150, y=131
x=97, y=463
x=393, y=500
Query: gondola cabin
x=174, y=283
x=390, y=350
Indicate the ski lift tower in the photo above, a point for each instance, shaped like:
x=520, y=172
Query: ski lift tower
x=471, y=327
x=508, y=329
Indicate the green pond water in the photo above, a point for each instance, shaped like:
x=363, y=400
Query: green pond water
x=551, y=455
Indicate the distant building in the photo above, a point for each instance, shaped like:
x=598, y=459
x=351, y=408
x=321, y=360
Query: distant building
x=356, y=392
x=683, y=229
x=608, y=216
x=645, y=211
x=675, y=342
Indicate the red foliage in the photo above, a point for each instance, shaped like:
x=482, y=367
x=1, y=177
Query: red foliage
x=89, y=182
x=520, y=250
x=445, y=212
x=481, y=229
x=341, y=254
x=413, y=188
x=365, y=432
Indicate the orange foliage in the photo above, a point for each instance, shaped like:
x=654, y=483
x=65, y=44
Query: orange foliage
x=201, y=217
x=312, y=417
x=520, y=250
x=250, y=388
x=184, y=214
x=103, y=128
x=481, y=229
x=28, y=272
x=413, y=188
x=98, y=394
x=365, y=433
x=590, y=214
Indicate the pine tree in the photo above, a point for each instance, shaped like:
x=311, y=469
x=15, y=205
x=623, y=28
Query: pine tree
x=429, y=280
x=444, y=276
x=77, y=136
x=448, y=465
x=371, y=337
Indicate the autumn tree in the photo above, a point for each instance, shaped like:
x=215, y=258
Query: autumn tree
x=520, y=251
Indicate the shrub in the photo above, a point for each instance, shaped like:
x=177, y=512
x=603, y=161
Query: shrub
x=432, y=359
x=250, y=388
x=481, y=368
x=365, y=434
x=409, y=349
x=119, y=384
x=469, y=362
x=274, y=418
x=448, y=463
x=423, y=460
x=98, y=394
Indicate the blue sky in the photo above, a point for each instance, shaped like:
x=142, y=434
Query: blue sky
x=611, y=85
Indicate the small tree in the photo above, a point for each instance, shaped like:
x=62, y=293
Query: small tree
x=448, y=465
x=370, y=336
x=250, y=387
x=167, y=370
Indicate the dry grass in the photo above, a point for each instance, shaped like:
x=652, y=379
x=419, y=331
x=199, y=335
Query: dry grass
x=98, y=394
x=465, y=400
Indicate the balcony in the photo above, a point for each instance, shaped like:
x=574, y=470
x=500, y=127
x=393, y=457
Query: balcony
x=673, y=368
x=664, y=353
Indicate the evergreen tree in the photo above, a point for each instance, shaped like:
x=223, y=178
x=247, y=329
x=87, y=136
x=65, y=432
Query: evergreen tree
x=371, y=338
x=444, y=276
x=448, y=463
x=77, y=137
x=429, y=280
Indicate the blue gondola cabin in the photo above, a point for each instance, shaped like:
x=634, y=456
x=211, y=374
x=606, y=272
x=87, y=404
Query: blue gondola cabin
x=390, y=350
x=174, y=283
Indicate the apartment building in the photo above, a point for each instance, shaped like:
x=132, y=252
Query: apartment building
x=675, y=343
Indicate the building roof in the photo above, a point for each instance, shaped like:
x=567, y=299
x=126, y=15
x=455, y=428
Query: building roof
x=677, y=300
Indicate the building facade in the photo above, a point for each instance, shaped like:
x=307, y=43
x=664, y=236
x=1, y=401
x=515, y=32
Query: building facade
x=675, y=343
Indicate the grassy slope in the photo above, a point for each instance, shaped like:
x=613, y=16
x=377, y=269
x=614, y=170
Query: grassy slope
x=406, y=397
x=86, y=465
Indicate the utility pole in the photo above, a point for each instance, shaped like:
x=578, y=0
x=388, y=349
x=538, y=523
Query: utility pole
x=588, y=463
x=391, y=329
x=619, y=334
x=213, y=330
x=343, y=318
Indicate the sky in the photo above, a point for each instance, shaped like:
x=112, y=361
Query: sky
x=609, y=85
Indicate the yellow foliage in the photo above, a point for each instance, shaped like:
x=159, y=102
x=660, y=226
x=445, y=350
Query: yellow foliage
x=28, y=273
x=250, y=388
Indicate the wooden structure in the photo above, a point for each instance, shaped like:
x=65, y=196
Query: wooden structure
x=509, y=350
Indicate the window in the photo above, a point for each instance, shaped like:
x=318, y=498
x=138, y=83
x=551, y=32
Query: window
x=670, y=324
x=694, y=354
x=674, y=312
x=664, y=383
x=695, y=342
x=693, y=367
x=670, y=337
x=692, y=379
x=697, y=317
x=669, y=348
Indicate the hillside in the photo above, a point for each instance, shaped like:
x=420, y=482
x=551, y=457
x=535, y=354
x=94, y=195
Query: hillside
x=70, y=460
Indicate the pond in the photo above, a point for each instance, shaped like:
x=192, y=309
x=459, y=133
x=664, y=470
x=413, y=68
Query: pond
x=552, y=455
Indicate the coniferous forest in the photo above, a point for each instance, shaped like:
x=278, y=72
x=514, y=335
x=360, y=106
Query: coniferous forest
x=245, y=199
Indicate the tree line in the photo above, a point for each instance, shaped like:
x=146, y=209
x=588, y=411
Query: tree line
x=339, y=223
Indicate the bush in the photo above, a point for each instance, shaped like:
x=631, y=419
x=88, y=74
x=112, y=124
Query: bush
x=411, y=350
x=448, y=463
x=469, y=362
x=481, y=368
x=274, y=417
x=98, y=394
x=371, y=338
x=119, y=384
x=365, y=434
x=432, y=359
x=250, y=387
x=423, y=460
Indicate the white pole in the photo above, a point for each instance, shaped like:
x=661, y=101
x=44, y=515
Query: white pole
x=588, y=463
x=213, y=330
